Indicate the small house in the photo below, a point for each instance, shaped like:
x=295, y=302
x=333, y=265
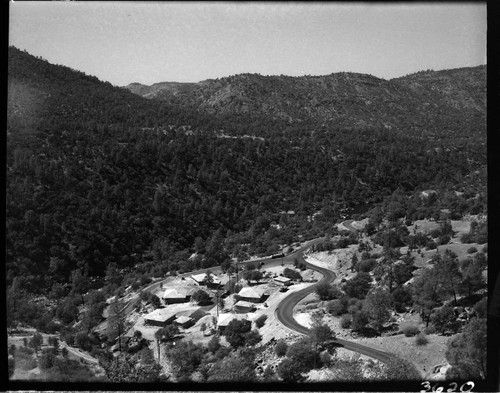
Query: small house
x=175, y=295
x=201, y=279
x=159, y=317
x=251, y=294
x=243, y=306
x=285, y=281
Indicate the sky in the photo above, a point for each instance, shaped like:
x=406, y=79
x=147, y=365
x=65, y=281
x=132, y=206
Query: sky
x=150, y=42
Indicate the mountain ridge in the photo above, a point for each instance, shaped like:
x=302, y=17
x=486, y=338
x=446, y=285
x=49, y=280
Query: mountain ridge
x=349, y=99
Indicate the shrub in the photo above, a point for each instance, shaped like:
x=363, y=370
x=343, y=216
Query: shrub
x=326, y=359
x=471, y=250
x=430, y=330
x=252, y=338
x=235, y=332
x=46, y=360
x=435, y=233
x=260, y=321
x=292, y=274
x=481, y=308
x=345, y=321
x=366, y=265
x=411, y=330
x=290, y=372
x=281, y=348
x=201, y=297
x=431, y=245
x=214, y=344
x=421, y=339
x=444, y=239
x=337, y=306
x=401, y=298
x=467, y=238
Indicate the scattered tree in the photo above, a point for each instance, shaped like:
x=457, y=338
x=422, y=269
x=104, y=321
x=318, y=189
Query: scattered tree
x=467, y=352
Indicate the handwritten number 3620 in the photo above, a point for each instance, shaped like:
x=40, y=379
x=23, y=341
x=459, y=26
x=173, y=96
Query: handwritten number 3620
x=466, y=387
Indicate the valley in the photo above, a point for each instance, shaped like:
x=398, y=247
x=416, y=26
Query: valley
x=263, y=230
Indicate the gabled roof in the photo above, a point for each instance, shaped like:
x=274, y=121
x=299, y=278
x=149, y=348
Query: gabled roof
x=183, y=319
x=202, y=277
x=242, y=303
x=282, y=279
x=251, y=292
x=199, y=277
x=174, y=293
x=159, y=315
x=224, y=319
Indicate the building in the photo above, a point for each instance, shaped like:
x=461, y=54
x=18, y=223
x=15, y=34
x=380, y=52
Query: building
x=184, y=322
x=175, y=295
x=251, y=294
x=282, y=280
x=243, y=306
x=201, y=279
x=224, y=320
x=159, y=317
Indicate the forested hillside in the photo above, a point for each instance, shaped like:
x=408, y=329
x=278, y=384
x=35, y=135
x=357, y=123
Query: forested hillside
x=99, y=177
x=450, y=102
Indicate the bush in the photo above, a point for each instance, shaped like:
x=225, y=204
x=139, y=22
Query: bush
x=467, y=238
x=471, y=250
x=431, y=245
x=346, y=321
x=292, y=274
x=430, y=330
x=366, y=265
x=214, y=344
x=281, y=348
x=200, y=297
x=252, y=338
x=236, y=332
x=260, y=321
x=421, y=339
x=326, y=359
x=444, y=239
x=46, y=360
x=411, y=330
x=337, y=306
x=481, y=308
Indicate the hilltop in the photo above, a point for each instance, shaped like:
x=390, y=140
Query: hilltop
x=422, y=102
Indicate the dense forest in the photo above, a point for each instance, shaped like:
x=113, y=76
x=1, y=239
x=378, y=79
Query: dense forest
x=108, y=188
x=97, y=175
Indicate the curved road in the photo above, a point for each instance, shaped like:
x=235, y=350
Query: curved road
x=284, y=313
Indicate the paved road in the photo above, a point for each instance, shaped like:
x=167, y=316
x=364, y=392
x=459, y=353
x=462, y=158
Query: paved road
x=284, y=313
x=269, y=262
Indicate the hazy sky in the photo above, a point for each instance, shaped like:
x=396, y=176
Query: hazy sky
x=148, y=42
